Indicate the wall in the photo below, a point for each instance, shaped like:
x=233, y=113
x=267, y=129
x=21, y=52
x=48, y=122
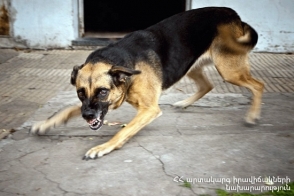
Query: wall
x=273, y=20
x=54, y=23
x=43, y=24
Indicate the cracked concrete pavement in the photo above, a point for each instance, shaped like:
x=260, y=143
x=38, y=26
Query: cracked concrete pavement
x=198, y=142
x=206, y=140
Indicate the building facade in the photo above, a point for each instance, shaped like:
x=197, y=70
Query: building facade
x=43, y=24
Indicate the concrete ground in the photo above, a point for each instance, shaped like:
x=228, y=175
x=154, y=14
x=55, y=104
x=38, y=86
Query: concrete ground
x=206, y=145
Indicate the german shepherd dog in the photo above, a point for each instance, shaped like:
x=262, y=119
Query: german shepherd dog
x=140, y=66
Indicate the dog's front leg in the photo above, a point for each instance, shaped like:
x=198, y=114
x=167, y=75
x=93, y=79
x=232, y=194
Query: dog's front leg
x=55, y=120
x=143, y=117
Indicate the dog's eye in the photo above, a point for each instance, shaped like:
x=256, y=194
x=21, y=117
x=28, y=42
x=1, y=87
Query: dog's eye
x=81, y=95
x=103, y=92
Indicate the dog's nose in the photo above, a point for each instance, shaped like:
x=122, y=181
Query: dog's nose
x=88, y=114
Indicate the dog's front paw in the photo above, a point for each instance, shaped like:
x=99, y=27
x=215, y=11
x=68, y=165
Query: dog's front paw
x=251, y=120
x=184, y=103
x=40, y=128
x=98, y=151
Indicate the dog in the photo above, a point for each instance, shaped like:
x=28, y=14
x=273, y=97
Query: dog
x=137, y=68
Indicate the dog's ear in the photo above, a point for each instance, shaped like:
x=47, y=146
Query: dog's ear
x=74, y=74
x=120, y=74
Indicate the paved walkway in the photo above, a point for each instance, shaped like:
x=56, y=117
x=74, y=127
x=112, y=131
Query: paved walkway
x=206, y=140
x=28, y=79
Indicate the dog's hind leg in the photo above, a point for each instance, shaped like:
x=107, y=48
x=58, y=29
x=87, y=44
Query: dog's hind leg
x=235, y=68
x=204, y=86
x=57, y=119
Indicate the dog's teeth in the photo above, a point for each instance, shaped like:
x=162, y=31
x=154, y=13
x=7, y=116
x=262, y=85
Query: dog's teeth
x=95, y=123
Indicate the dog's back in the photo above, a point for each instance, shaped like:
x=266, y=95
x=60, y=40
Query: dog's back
x=178, y=41
x=190, y=34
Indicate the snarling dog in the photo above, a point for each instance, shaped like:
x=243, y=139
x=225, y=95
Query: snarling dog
x=140, y=66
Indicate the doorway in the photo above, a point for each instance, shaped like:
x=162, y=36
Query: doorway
x=115, y=18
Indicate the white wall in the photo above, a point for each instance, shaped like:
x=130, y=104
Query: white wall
x=54, y=23
x=45, y=24
x=272, y=19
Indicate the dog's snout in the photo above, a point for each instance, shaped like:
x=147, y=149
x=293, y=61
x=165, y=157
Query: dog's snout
x=88, y=114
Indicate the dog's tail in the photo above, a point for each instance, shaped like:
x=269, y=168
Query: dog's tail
x=250, y=36
x=238, y=37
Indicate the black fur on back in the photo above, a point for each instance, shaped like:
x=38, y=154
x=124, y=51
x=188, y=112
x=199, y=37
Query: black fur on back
x=176, y=42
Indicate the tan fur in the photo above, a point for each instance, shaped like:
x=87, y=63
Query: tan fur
x=236, y=70
x=230, y=58
x=234, y=67
x=57, y=119
x=97, y=77
x=233, y=37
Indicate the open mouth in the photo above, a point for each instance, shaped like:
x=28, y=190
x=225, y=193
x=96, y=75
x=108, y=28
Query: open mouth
x=95, y=124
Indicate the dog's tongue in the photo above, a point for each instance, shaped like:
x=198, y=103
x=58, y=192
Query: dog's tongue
x=91, y=121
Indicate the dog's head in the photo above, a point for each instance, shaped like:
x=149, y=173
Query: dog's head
x=100, y=87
